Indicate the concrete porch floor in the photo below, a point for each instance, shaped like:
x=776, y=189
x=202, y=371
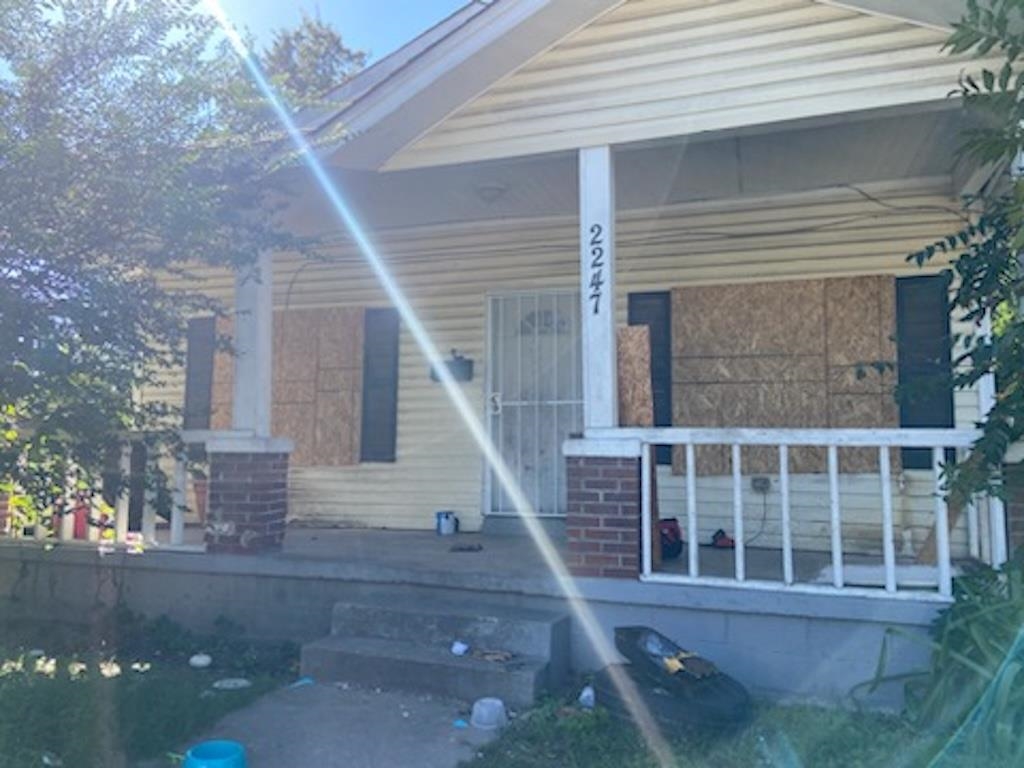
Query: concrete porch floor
x=506, y=558
x=516, y=556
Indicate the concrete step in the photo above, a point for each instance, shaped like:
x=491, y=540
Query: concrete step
x=438, y=623
x=410, y=666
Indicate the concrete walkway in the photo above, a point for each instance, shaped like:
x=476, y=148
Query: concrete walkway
x=335, y=726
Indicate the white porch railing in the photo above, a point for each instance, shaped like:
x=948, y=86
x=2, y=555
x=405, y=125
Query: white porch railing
x=148, y=532
x=885, y=441
x=90, y=521
x=179, y=495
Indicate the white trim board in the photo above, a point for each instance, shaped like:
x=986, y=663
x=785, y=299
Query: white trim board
x=933, y=14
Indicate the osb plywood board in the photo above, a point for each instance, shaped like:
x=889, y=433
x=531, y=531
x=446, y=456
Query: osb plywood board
x=636, y=396
x=318, y=364
x=340, y=337
x=855, y=411
x=861, y=319
x=716, y=460
x=852, y=320
x=297, y=421
x=317, y=384
x=295, y=344
x=746, y=368
x=295, y=391
x=752, y=404
x=332, y=441
x=340, y=379
x=756, y=319
x=783, y=354
x=764, y=404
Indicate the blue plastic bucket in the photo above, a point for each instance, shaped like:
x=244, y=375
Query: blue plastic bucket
x=216, y=754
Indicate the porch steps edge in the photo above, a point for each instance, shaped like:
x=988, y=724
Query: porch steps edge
x=404, y=665
x=438, y=623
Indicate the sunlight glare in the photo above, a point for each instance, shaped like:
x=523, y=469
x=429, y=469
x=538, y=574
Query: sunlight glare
x=465, y=410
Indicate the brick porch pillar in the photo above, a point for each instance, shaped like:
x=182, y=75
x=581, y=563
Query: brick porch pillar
x=247, y=504
x=603, y=520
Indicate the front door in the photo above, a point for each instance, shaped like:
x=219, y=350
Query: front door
x=535, y=393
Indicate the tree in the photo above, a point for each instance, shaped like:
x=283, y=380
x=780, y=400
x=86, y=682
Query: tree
x=985, y=266
x=132, y=146
x=311, y=59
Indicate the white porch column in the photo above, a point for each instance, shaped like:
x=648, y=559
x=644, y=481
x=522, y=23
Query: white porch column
x=253, y=340
x=996, y=507
x=597, y=287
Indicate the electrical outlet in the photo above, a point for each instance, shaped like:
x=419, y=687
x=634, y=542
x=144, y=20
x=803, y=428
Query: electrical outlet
x=761, y=484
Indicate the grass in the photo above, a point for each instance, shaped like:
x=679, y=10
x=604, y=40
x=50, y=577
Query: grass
x=786, y=737
x=117, y=695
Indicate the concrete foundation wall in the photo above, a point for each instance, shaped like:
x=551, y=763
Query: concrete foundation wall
x=782, y=646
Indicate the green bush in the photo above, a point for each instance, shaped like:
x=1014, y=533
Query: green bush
x=970, y=699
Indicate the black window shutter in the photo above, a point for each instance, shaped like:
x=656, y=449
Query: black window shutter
x=201, y=347
x=655, y=311
x=924, y=349
x=380, y=385
x=137, y=485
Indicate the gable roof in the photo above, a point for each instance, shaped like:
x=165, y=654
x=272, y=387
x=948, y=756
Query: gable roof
x=396, y=101
x=346, y=96
x=419, y=84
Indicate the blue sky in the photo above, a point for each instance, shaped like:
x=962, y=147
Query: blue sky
x=377, y=26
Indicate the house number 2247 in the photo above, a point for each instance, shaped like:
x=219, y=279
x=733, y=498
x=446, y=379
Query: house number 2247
x=596, y=266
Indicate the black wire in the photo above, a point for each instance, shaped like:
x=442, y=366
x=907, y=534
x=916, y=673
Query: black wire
x=764, y=520
x=677, y=236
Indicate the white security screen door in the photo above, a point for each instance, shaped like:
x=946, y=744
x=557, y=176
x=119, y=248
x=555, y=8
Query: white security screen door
x=535, y=394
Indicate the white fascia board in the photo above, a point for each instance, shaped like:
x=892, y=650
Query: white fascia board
x=934, y=14
x=499, y=20
x=341, y=98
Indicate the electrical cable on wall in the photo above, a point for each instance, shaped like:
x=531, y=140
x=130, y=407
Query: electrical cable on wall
x=676, y=236
x=764, y=520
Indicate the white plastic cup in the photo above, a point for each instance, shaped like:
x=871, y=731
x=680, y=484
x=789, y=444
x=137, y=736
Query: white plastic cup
x=489, y=714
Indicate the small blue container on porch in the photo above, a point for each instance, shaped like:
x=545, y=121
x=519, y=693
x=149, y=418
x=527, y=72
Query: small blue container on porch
x=216, y=754
x=446, y=523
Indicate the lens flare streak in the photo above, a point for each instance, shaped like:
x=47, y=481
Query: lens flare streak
x=587, y=620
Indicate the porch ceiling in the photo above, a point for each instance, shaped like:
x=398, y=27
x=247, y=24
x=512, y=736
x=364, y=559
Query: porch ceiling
x=799, y=157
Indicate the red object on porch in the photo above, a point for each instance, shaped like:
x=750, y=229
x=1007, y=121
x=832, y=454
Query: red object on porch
x=722, y=540
x=81, y=515
x=671, y=538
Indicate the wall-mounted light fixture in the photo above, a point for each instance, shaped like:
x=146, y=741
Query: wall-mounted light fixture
x=461, y=368
x=490, y=191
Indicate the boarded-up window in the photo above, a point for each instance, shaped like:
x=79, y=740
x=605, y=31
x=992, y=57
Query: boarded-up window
x=923, y=339
x=317, y=382
x=201, y=346
x=783, y=355
x=380, y=385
